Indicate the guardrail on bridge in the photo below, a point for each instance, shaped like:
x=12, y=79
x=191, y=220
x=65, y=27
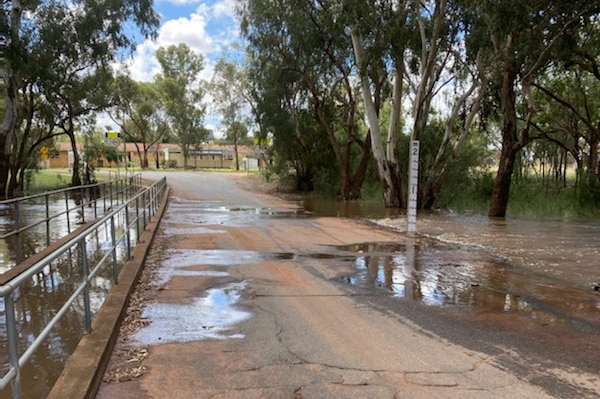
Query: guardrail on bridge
x=96, y=198
x=125, y=222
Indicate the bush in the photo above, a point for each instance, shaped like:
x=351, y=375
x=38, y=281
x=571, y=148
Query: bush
x=170, y=164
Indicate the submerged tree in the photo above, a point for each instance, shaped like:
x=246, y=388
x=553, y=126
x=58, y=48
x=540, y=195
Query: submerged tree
x=519, y=41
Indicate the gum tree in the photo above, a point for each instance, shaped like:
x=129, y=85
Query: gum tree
x=182, y=91
x=57, y=55
x=519, y=41
x=229, y=87
x=140, y=112
x=301, y=41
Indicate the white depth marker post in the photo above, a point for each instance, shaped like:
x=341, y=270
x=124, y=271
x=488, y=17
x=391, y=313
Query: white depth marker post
x=413, y=187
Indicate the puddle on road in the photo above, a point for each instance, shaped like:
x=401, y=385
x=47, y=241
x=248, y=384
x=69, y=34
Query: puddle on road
x=177, y=260
x=439, y=274
x=170, y=231
x=209, y=317
x=208, y=213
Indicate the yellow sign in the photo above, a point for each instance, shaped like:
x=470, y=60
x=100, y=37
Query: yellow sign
x=44, y=152
x=112, y=135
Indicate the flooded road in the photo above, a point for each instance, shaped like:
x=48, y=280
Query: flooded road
x=256, y=295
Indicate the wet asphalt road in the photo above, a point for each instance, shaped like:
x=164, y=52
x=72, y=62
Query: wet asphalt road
x=248, y=302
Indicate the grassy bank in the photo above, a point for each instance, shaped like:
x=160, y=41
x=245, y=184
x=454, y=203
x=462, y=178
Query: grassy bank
x=47, y=180
x=533, y=197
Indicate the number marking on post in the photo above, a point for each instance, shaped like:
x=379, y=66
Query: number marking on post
x=413, y=187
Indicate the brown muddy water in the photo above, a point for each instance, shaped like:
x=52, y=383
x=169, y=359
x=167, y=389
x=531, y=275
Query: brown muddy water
x=545, y=270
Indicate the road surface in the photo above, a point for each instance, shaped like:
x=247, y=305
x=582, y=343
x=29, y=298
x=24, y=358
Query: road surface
x=245, y=298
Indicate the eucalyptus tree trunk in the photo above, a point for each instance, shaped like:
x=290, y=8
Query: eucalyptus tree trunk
x=10, y=81
x=385, y=158
x=511, y=145
x=7, y=127
x=430, y=67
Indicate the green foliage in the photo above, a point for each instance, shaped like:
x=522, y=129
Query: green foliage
x=306, y=78
x=588, y=192
x=40, y=181
x=140, y=112
x=56, y=68
x=170, y=164
x=231, y=92
x=182, y=93
x=531, y=197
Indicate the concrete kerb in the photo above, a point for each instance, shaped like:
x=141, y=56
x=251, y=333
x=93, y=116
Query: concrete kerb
x=82, y=375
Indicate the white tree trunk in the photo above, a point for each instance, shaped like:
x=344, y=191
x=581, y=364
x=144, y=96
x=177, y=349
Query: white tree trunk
x=385, y=158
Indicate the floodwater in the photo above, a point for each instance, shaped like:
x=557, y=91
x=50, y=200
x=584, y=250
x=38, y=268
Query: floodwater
x=567, y=250
x=39, y=300
x=13, y=250
x=545, y=269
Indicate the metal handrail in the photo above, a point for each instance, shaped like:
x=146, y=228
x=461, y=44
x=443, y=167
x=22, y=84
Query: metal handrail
x=113, y=191
x=146, y=204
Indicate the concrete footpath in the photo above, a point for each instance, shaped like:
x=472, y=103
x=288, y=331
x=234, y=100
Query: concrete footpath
x=84, y=371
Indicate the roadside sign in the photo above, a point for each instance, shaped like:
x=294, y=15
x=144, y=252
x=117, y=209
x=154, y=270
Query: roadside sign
x=112, y=142
x=44, y=152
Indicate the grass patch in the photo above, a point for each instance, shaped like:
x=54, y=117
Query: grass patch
x=47, y=181
x=532, y=198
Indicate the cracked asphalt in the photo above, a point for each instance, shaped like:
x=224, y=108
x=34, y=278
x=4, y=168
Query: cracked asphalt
x=281, y=325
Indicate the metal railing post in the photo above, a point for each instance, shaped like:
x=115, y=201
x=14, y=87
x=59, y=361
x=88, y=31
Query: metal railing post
x=111, y=193
x=47, y=220
x=104, y=197
x=145, y=204
x=82, y=199
x=18, y=234
x=137, y=219
x=86, y=289
x=94, y=198
x=13, y=345
x=68, y=213
x=154, y=195
x=113, y=235
x=128, y=230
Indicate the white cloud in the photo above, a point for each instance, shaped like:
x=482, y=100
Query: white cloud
x=191, y=31
x=224, y=8
x=144, y=65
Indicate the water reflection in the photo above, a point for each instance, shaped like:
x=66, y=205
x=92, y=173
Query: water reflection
x=199, y=213
x=208, y=317
x=39, y=300
x=16, y=248
x=439, y=275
